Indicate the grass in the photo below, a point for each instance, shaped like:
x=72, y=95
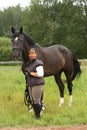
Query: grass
x=14, y=113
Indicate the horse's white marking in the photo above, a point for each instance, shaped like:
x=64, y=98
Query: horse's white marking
x=61, y=102
x=41, y=113
x=70, y=100
x=43, y=105
x=31, y=110
x=16, y=38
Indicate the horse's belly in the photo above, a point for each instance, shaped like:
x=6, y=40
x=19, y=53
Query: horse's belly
x=52, y=70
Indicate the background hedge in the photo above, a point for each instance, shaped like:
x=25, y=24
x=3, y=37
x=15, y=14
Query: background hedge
x=5, y=49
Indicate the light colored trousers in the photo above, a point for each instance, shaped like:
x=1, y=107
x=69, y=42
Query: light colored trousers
x=36, y=93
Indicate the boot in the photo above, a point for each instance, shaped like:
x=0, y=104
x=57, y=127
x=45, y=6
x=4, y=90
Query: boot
x=37, y=110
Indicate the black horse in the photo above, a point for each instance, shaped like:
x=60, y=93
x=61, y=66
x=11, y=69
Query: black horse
x=56, y=59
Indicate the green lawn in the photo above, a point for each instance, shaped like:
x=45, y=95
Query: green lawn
x=14, y=113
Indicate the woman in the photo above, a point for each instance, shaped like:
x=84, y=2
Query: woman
x=35, y=80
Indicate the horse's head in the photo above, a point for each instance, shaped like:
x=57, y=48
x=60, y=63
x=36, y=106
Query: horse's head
x=17, y=42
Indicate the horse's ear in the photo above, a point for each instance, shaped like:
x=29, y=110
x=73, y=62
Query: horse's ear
x=21, y=29
x=13, y=29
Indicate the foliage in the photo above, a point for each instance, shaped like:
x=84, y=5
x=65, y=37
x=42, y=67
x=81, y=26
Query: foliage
x=61, y=23
x=14, y=113
x=5, y=49
x=50, y=22
x=8, y=17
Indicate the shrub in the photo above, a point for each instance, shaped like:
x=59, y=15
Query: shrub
x=5, y=49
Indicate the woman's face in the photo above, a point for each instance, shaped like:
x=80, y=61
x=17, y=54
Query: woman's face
x=32, y=55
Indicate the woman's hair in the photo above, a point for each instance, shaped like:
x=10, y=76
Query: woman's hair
x=32, y=49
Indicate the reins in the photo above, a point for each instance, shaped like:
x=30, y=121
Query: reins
x=27, y=99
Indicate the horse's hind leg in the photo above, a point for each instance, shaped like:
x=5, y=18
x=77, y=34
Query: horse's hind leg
x=69, y=82
x=70, y=92
x=61, y=88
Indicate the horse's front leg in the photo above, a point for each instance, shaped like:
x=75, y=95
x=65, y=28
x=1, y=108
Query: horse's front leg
x=61, y=88
x=27, y=100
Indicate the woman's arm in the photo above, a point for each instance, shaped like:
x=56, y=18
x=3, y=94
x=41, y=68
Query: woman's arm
x=39, y=73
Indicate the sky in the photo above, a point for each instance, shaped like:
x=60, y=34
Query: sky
x=8, y=3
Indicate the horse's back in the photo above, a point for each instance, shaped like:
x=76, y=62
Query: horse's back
x=57, y=49
x=57, y=52
x=56, y=58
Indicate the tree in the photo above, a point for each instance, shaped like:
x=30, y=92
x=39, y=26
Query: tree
x=8, y=17
x=51, y=22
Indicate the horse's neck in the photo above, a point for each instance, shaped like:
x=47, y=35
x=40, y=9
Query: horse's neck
x=40, y=52
x=25, y=54
x=24, y=58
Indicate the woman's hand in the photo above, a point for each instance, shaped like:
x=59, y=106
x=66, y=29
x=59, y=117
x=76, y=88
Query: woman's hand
x=34, y=74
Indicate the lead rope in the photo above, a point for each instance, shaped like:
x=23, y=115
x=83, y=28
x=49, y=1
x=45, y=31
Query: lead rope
x=27, y=99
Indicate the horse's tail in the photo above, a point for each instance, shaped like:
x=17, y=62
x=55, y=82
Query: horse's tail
x=77, y=69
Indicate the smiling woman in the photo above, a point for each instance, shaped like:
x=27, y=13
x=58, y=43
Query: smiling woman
x=8, y=3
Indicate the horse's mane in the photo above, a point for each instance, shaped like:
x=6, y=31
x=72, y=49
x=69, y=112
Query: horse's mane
x=29, y=39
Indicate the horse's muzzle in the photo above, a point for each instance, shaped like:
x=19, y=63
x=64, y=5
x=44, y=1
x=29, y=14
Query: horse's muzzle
x=16, y=53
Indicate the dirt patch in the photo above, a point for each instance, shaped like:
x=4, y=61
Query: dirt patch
x=81, y=127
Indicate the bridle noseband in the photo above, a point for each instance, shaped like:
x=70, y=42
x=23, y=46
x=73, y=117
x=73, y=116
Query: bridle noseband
x=17, y=49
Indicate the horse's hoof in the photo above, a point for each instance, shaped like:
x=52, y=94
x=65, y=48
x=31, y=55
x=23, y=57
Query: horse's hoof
x=31, y=110
x=41, y=112
x=60, y=104
x=70, y=104
x=43, y=108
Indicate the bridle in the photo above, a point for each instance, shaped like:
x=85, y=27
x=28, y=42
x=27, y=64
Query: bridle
x=19, y=50
x=16, y=48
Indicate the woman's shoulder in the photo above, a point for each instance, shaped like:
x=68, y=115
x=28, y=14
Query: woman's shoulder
x=39, y=61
